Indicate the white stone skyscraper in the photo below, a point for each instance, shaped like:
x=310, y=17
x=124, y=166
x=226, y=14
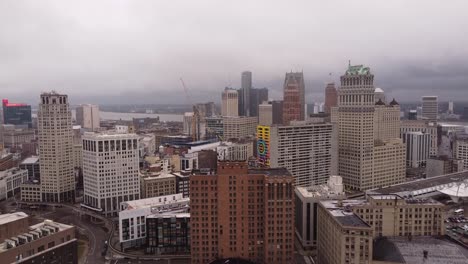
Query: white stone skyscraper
x=370, y=152
x=56, y=148
x=110, y=171
x=230, y=102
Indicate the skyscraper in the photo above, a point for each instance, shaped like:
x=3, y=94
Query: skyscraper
x=293, y=98
x=418, y=146
x=369, y=156
x=229, y=102
x=87, y=116
x=56, y=148
x=331, y=97
x=430, y=108
x=246, y=86
x=257, y=96
x=244, y=213
x=16, y=114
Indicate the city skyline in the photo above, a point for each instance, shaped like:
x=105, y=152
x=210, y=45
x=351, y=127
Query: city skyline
x=53, y=45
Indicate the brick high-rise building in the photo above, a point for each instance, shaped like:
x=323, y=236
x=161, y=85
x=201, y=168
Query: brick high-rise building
x=242, y=213
x=331, y=97
x=294, y=97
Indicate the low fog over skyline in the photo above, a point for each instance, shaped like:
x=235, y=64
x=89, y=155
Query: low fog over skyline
x=136, y=51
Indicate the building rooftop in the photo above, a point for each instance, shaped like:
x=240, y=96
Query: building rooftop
x=271, y=171
x=31, y=160
x=7, y=218
x=357, y=70
x=169, y=215
x=418, y=186
x=154, y=201
x=342, y=212
x=401, y=250
x=35, y=232
x=109, y=135
x=157, y=175
x=10, y=172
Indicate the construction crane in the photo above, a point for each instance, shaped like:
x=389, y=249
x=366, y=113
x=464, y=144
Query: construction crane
x=196, y=115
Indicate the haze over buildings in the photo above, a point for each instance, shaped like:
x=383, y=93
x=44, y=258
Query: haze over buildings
x=133, y=54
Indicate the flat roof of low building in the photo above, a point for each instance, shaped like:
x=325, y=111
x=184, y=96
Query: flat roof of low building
x=402, y=250
x=270, y=171
x=169, y=215
x=341, y=211
x=154, y=176
x=319, y=191
x=7, y=218
x=30, y=160
x=154, y=201
x=422, y=183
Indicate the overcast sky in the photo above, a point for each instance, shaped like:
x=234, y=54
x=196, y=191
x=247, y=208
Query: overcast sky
x=136, y=51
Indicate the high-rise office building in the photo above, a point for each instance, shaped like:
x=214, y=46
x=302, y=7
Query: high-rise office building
x=239, y=127
x=293, y=97
x=230, y=103
x=418, y=146
x=16, y=114
x=206, y=109
x=110, y=171
x=430, y=108
x=56, y=148
x=368, y=155
x=246, y=86
x=308, y=150
x=450, y=107
x=423, y=126
x=87, y=116
x=244, y=213
x=331, y=97
x=413, y=114
x=257, y=96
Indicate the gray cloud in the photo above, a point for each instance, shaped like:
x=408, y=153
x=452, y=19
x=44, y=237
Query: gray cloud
x=132, y=51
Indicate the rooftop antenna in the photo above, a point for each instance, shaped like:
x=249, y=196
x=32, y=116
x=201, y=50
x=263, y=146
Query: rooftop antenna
x=349, y=63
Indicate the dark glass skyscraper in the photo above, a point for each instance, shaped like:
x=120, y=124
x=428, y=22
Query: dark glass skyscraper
x=16, y=114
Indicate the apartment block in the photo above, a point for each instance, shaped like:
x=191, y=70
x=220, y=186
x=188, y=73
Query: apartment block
x=308, y=150
x=239, y=127
x=237, y=212
x=110, y=171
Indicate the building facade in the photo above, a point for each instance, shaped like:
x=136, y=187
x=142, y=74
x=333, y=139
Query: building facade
x=110, y=171
x=342, y=236
x=56, y=148
x=417, y=148
x=31, y=164
x=246, y=86
x=10, y=182
x=230, y=103
x=293, y=97
x=437, y=166
x=245, y=213
x=153, y=185
x=308, y=150
x=307, y=199
x=168, y=234
x=460, y=151
x=87, y=116
x=366, y=131
x=133, y=214
x=40, y=243
x=423, y=126
x=430, y=108
x=265, y=114
x=331, y=97
x=257, y=96
x=235, y=151
x=16, y=114
x=239, y=127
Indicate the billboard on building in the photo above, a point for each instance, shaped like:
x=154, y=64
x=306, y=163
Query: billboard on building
x=263, y=145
